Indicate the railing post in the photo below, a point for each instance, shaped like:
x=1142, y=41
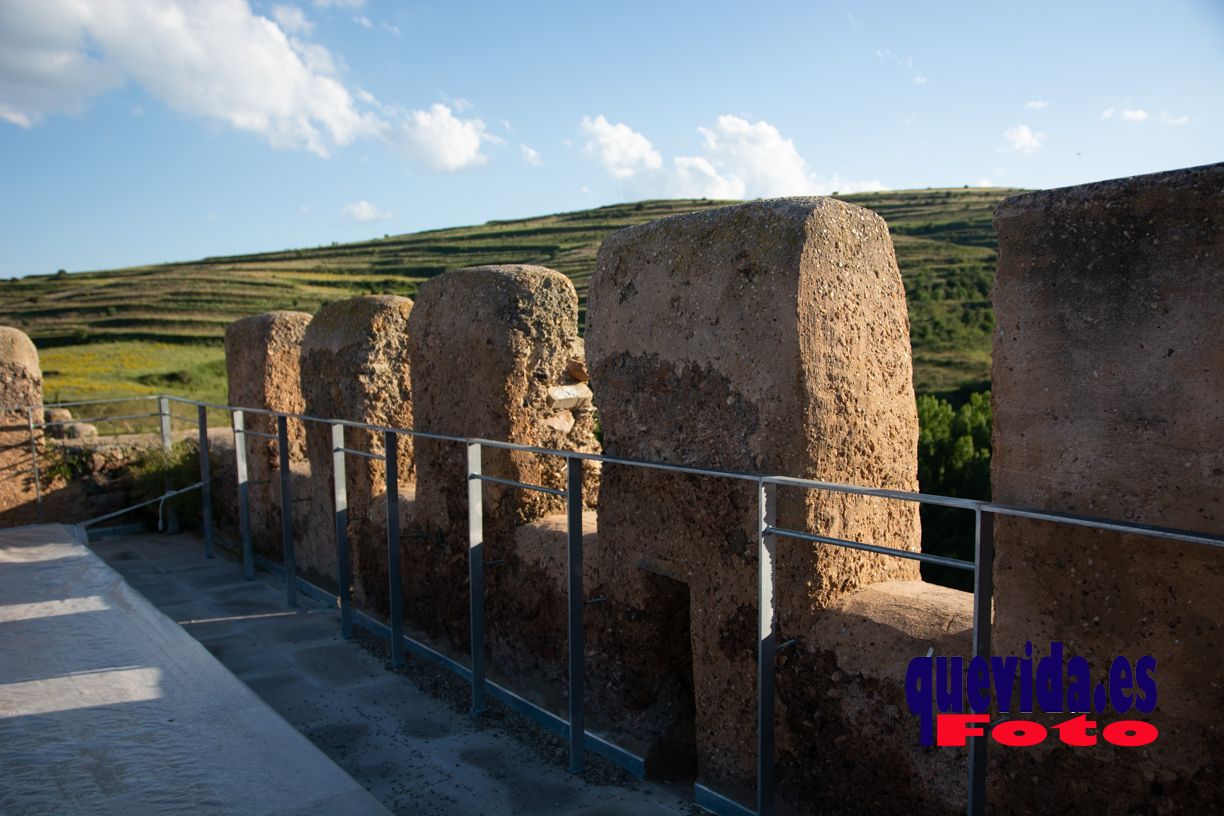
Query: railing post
x=344, y=570
x=983, y=596
x=163, y=411
x=244, y=495
x=766, y=646
x=34, y=456
x=476, y=575
x=391, y=446
x=205, y=482
x=577, y=722
x=282, y=443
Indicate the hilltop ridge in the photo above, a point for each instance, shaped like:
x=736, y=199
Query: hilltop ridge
x=159, y=327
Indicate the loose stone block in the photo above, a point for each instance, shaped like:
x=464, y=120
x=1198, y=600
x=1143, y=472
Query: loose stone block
x=355, y=367
x=491, y=349
x=263, y=366
x=20, y=386
x=1108, y=386
x=770, y=337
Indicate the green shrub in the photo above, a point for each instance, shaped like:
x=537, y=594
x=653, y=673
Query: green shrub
x=953, y=460
x=154, y=469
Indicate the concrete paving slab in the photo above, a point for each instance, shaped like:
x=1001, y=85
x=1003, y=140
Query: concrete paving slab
x=108, y=707
x=406, y=737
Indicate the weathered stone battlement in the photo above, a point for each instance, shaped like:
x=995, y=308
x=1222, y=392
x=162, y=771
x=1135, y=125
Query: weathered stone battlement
x=772, y=337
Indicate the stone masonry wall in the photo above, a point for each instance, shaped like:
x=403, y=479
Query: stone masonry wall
x=769, y=337
x=495, y=351
x=355, y=367
x=1109, y=401
x=263, y=365
x=20, y=385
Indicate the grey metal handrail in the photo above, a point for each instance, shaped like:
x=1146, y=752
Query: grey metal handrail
x=573, y=729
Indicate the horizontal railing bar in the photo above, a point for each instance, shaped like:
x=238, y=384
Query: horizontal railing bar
x=552, y=491
x=616, y=460
x=717, y=803
x=169, y=494
x=378, y=457
x=1152, y=531
x=95, y=419
x=631, y=762
x=925, y=558
x=877, y=492
x=920, y=498
x=109, y=401
x=260, y=434
x=348, y=423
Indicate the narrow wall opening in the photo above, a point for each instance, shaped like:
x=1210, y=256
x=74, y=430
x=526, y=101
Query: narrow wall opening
x=672, y=757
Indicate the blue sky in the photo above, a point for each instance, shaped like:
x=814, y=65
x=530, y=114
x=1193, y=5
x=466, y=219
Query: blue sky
x=140, y=131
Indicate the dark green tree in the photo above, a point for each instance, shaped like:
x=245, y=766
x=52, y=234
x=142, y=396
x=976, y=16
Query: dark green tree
x=953, y=460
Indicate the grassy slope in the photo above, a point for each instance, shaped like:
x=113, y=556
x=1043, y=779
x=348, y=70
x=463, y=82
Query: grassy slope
x=158, y=328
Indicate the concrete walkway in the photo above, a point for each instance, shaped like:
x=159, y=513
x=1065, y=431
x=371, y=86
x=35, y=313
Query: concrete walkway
x=108, y=707
x=406, y=737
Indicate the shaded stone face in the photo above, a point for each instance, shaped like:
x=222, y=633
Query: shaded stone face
x=492, y=349
x=262, y=360
x=20, y=386
x=355, y=367
x=769, y=337
x=1108, y=384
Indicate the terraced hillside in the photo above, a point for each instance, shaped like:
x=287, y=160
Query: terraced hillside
x=159, y=328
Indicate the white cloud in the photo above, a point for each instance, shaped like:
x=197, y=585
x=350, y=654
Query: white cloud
x=920, y=80
x=1126, y=114
x=363, y=21
x=461, y=104
x=620, y=149
x=339, y=3
x=692, y=177
x=291, y=19
x=394, y=29
x=740, y=159
x=887, y=55
x=1036, y=104
x=984, y=183
x=530, y=155
x=1176, y=121
x=1023, y=139
x=216, y=60
x=363, y=212
x=443, y=141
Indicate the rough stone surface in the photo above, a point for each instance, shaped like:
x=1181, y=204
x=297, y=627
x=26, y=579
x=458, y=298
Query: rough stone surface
x=768, y=337
x=60, y=416
x=262, y=360
x=81, y=430
x=355, y=367
x=1108, y=383
x=854, y=661
x=20, y=385
x=490, y=349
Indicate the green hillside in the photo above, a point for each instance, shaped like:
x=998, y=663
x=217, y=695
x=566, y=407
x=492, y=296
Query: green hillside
x=159, y=328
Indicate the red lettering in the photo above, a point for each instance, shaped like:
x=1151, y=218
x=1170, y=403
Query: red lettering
x=1075, y=731
x=953, y=729
x=1130, y=733
x=1018, y=733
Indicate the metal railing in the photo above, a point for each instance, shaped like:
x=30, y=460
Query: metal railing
x=573, y=729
